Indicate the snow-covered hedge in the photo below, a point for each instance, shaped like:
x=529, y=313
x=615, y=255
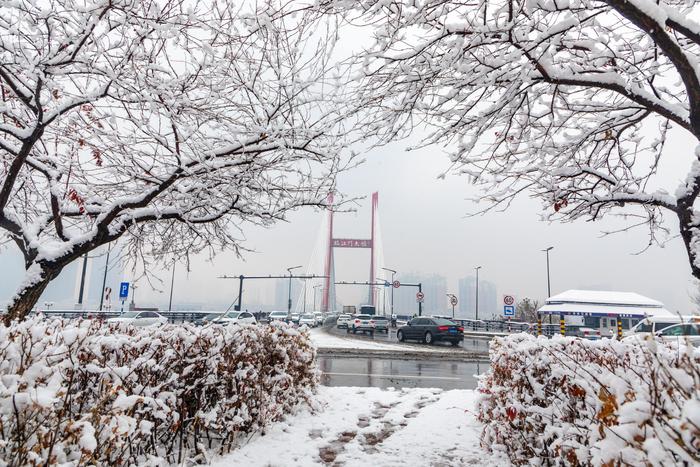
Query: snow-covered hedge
x=90, y=393
x=569, y=401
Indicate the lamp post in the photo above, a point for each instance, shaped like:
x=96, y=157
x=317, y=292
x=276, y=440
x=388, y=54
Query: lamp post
x=477, y=292
x=172, y=282
x=289, y=300
x=392, y=288
x=549, y=286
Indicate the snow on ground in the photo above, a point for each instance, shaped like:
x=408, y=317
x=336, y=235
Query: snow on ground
x=325, y=340
x=358, y=427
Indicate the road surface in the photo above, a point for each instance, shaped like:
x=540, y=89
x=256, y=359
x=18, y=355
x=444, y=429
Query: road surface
x=385, y=373
x=469, y=344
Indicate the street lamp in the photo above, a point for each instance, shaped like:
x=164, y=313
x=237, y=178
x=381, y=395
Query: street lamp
x=289, y=300
x=549, y=287
x=477, y=292
x=392, y=288
x=172, y=282
x=316, y=287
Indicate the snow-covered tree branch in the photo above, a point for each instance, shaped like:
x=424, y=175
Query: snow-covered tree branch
x=167, y=123
x=570, y=100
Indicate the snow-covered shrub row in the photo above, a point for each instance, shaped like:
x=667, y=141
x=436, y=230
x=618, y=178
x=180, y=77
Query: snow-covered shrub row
x=569, y=401
x=91, y=393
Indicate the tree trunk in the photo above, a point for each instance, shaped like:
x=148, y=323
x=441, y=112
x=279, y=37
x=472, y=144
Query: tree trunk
x=691, y=238
x=26, y=298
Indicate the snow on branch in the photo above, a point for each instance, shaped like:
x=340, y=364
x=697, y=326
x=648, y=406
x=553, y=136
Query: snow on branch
x=174, y=112
x=572, y=101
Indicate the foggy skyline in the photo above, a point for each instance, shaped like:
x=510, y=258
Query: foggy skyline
x=425, y=227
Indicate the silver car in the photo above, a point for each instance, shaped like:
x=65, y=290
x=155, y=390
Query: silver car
x=343, y=321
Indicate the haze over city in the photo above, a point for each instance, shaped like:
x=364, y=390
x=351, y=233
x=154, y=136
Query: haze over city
x=426, y=228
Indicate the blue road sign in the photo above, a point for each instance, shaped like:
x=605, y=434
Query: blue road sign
x=508, y=310
x=123, y=290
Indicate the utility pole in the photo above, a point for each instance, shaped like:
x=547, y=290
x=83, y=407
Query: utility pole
x=104, y=277
x=477, y=292
x=392, y=288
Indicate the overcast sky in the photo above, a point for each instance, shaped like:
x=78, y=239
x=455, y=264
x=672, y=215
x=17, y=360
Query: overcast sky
x=425, y=228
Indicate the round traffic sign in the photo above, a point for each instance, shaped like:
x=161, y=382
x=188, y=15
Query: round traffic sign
x=453, y=301
x=396, y=284
x=508, y=299
x=420, y=296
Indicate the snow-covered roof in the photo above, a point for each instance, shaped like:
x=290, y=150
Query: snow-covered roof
x=603, y=297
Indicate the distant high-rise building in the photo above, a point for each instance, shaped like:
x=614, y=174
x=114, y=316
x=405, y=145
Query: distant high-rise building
x=282, y=293
x=488, y=302
x=434, y=288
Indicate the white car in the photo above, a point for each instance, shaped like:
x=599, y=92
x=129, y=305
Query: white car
x=235, y=317
x=277, y=316
x=343, y=321
x=319, y=318
x=140, y=318
x=683, y=333
x=309, y=320
x=651, y=325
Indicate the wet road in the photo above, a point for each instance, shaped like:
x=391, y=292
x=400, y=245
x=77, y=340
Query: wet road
x=385, y=373
x=473, y=345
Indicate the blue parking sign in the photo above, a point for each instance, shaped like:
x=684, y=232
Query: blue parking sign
x=508, y=310
x=123, y=290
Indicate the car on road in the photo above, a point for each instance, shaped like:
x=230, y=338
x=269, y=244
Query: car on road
x=294, y=318
x=277, y=316
x=431, y=330
x=361, y=323
x=140, y=318
x=206, y=319
x=238, y=317
x=319, y=318
x=651, y=325
x=381, y=324
x=343, y=321
x=308, y=319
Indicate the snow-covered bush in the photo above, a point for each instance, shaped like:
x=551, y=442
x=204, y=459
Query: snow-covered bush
x=89, y=393
x=569, y=401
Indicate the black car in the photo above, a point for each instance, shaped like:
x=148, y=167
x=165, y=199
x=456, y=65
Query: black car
x=204, y=320
x=431, y=330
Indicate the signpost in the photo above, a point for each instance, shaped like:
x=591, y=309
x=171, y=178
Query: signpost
x=123, y=292
x=419, y=297
x=396, y=284
x=453, y=302
x=509, y=307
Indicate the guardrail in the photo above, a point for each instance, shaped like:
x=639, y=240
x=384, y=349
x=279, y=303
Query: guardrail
x=173, y=316
x=189, y=316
